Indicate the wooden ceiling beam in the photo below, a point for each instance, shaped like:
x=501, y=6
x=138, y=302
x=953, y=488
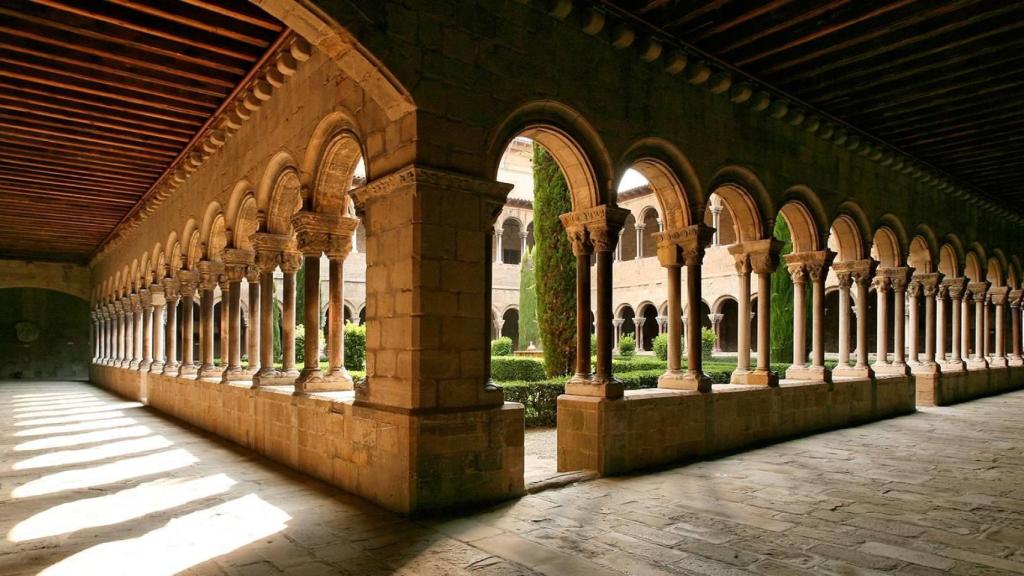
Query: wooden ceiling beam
x=73, y=130
x=111, y=189
x=171, y=53
x=83, y=164
x=193, y=23
x=36, y=111
x=984, y=114
x=863, y=104
x=147, y=30
x=237, y=15
x=59, y=137
x=33, y=192
x=10, y=90
x=785, y=24
x=747, y=16
x=47, y=171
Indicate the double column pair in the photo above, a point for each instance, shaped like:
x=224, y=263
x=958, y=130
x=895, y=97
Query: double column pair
x=762, y=258
x=678, y=248
x=929, y=286
x=852, y=273
x=801, y=267
x=895, y=280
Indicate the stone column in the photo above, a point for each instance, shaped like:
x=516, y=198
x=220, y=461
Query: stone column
x=845, y=281
x=159, y=300
x=582, y=249
x=602, y=225
x=146, y=301
x=268, y=249
x=209, y=275
x=617, y=324
x=290, y=264
x=95, y=335
x=1015, y=358
x=985, y=321
x=136, y=334
x=522, y=246
x=998, y=296
x=220, y=355
x=861, y=273
x=898, y=279
x=764, y=259
x=742, y=263
x=639, y=241
x=692, y=241
x=105, y=334
x=254, y=332
x=127, y=347
x=236, y=263
x=313, y=233
x=929, y=284
x=638, y=336
x=188, y=282
x=979, y=291
x=913, y=291
x=173, y=295
x=817, y=270
x=957, y=294
x=716, y=216
x=499, y=257
x=716, y=327
x=618, y=247
x=671, y=259
x=798, y=275
x=941, y=294
x=881, y=283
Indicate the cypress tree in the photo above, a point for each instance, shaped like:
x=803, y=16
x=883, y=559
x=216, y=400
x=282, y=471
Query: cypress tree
x=278, y=346
x=555, y=265
x=529, y=331
x=782, y=301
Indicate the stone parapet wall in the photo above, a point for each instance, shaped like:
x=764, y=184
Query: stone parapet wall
x=404, y=462
x=953, y=387
x=650, y=428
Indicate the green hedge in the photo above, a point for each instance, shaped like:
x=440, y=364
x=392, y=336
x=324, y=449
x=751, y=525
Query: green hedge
x=354, y=336
x=540, y=398
x=501, y=346
x=513, y=368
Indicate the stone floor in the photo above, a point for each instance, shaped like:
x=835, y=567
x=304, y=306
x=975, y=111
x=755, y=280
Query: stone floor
x=91, y=484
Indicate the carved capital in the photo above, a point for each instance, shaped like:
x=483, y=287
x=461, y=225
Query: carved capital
x=929, y=282
x=188, y=283
x=881, y=282
x=171, y=290
x=978, y=289
x=580, y=240
x=1014, y=297
x=209, y=274
x=955, y=287
x=602, y=224
x=762, y=254
x=898, y=277
x=998, y=294
x=291, y=261
x=741, y=260
x=135, y=302
x=860, y=271
x=339, y=241
x=252, y=274
x=797, y=272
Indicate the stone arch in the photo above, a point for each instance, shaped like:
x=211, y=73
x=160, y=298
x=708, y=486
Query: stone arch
x=972, y=266
x=241, y=214
x=885, y=247
x=145, y=271
x=652, y=225
x=1013, y=272
x=925, y=233
x=949, y=263
x=280, y=193
x=330, y=36
x=191, y=253
x=845, y=239
x=650, y=330
x=573, y=143
x=919, y=257
x=999, y=256
x=628, y=247
x=332, y=155
x=511, y=240
x=802, y=227
x=806, y=217
x=994, y=271
x=671, y=177
x=747, y=201
x=133, y=276
x=213, y=234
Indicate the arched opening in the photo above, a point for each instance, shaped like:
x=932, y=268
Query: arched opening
x=628, y=326
x=44, y=335
x=510, y=326
x=511, y=241
x=652, y=225
x=650, y=329
x=627, y=240
x=831, y=318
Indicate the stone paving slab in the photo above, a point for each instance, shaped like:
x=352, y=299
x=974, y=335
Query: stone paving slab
x=91, y=484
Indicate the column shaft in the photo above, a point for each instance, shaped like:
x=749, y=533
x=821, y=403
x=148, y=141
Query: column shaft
x=170, y=337
x=234, y=307
x=1000, y=348
x=882, y=327
x=675, y=313
x=188, y=364
x=694, y=342
x=743, y=322
x=206, y=330
x=266, y=334
x=818, y=322
x=288, y=324
x=764, y=327
x=799, y=320
x=147, y=338
x=254, y=330
x=844, y=324
x=899, y=344
x=862, y=323
x=912, y=336
x=940, y=326
x=979, y=327
x=603, y=316
x=930, y=323
x=311, y=317
x=583, y=317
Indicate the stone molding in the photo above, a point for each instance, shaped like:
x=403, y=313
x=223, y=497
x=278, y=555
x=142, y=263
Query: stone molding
x=859, y=271
x=413, y=175
x=956, y=287
x=598, y=226
x=209, y=273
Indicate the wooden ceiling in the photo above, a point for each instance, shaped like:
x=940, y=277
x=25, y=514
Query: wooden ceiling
x=941, y=81
x=98, y=99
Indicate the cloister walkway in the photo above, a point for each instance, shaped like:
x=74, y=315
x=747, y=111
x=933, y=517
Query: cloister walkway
x=92, y=484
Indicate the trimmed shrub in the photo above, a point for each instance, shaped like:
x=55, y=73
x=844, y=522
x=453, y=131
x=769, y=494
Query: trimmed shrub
x=300, y=343
x=627, y=345
x=635, y=363
x=707, y=343
x=541, y=398
x=660, y=346
x=355, y=346
x=593, y=345
x=501, y=346
x=511, y=368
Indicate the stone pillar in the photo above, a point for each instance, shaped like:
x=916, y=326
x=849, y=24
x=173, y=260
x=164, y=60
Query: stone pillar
x=522, y=246
x=898, y=279
x=617, y=324
x=602, y=225
x=427, y=373
x=582, y=249
x=290, y=264
x=845, y=281
x=814, y=266
x=817, y=270
x=941, y=295
x=638, y=336
x=763, y=256
x=957, y=294
x=268, y=249
x=173, y=295
x=881, y=283
x=979, y=291
x=676, y=248
x=95, y=335
x=159, y=300
x=338, y=247
x=716, y=327
x=220, y=356
x=146, y=302
x=209, y=275
x=188, y=281
x=930, y=284
x=499, y=257
x=618, y=247
x=985, y=321
x=913, y=292
x=127, y=332
x=861, y=273
x=254, y=332
x=742, y=263
x=998, y=295
x=136, y=334
x=1015, y=358
x=639, y=241
x=798, y=275
x=236, y=263
x=716, y=216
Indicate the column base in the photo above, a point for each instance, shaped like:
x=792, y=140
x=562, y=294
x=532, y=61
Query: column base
x=209, y=371
x=755, y=378
x=234, y=374
x=145, y=365
x=271, y=377
x=310, y=380
x=977, y=364
x=1014, y=361
x=679, y=380
x=339, y=379
x=811, y=373
x=951, y=366
x=925, y=369
x=134, y=365
x=599, y=387
x=859, y=372
x=187, y=370
x=893, y=369
x=156, y=368
x=998, y=362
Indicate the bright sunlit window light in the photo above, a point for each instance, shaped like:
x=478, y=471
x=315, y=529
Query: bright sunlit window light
x=180, y=544
x=80, y=427
x=105, y=473
x=155, y=496
x=83, y=438
x=82, y=455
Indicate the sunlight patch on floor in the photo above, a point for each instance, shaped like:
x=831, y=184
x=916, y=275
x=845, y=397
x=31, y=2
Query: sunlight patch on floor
x=70, y=419
x=103, y=451
x=83, y=438
x=79, y=427
x=83, y=403
x=106, y=473
x=161, y=494
x=180, y=544
x=72, y=411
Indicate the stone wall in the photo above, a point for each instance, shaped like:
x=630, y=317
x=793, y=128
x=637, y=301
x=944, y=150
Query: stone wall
x=952, y=387
x=650, y=428
x=44, y=334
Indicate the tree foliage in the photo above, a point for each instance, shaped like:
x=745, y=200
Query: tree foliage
x=555, y=265
x=782, y=301
x=529, y=330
